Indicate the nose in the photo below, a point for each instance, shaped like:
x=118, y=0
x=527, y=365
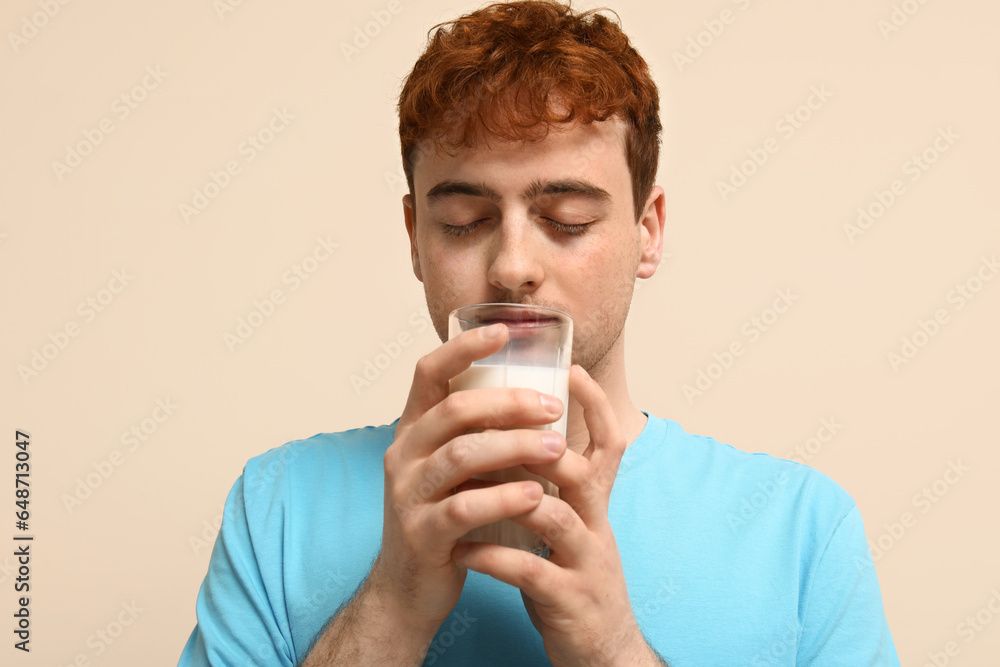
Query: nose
x=515, y=266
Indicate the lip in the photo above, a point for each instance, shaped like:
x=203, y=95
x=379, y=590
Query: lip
x=514, y=316
x=515, y=323
x=521, y=317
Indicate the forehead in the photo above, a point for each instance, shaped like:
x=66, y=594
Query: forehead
x=593, y=151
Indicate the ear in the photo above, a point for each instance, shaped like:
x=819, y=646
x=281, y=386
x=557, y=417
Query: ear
x=653, y=218
x=410, y=217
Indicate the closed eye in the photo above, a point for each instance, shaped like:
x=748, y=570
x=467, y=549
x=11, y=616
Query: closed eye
x=572, y=230
x=462, y=230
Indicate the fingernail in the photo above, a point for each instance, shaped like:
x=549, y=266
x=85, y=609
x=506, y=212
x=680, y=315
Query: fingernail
x=550, y=403
x=533, y=491
x=552, y=441
x=493, y=330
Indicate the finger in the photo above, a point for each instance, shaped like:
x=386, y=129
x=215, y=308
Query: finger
x=456, y=515
x=607, y=442
x=474, y=483
x=485, y=452
x=560, y=527
x=538, y=578
x=579, y=486
x=490, y=407
x=433, y=370
x=422, y=494
x=566, y=472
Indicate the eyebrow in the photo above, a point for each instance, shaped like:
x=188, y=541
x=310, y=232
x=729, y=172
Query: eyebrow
x=451, y=188
x=535, y=189
x=571, y=186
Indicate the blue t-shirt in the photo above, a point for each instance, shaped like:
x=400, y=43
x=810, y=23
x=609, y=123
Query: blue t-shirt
x=730, y=559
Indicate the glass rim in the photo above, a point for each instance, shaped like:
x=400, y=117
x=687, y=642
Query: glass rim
x=563, y=317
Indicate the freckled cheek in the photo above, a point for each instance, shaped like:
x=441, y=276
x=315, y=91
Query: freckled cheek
x=449, y=275
x=600, y=281
x=584, y=290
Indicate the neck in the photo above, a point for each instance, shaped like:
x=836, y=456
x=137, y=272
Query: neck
x=609, y=372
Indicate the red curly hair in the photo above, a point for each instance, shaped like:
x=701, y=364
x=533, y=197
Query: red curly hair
x=512, y=70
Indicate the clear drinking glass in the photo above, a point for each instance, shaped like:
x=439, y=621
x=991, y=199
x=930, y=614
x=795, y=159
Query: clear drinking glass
x=537, y=355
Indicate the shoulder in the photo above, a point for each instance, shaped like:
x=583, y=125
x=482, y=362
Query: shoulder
x=756, y=478
x=323, y=455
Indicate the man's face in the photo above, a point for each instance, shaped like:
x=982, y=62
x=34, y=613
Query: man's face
x=549, y=223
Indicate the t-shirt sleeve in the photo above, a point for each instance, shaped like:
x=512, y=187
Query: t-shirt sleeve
x=236, y=624
x=843, y=621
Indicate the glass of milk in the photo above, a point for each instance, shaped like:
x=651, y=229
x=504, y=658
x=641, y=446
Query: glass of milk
x=537, y=355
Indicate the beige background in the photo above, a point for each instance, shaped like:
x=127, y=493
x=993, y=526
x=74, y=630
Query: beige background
x=142, y=536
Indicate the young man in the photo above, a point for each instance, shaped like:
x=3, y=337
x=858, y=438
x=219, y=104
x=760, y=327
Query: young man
x=530, y=138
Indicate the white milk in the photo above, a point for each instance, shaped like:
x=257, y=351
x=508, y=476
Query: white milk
x=554, y=381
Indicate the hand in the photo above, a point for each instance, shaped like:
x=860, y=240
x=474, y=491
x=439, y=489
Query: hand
x=577, y=598
x=415, y=575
